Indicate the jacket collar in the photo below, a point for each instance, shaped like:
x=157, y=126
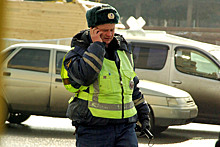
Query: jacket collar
x=83, y=39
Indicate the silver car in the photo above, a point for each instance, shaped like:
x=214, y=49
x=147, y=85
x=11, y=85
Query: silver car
x=33, y=86
x=186, y=64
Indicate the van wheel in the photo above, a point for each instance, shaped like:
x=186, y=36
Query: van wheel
x=18, y=117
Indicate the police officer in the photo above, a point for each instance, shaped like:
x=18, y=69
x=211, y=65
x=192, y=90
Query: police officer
x=99, y=70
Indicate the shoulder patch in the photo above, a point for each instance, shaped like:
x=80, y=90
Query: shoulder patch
x=68, y=63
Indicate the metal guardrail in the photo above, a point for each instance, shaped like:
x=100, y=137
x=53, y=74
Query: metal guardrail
x=62, y=41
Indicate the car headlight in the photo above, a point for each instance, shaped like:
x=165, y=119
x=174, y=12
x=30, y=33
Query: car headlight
x=177, y=101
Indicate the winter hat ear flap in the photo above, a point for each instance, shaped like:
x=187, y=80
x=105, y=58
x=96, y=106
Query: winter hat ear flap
x=102, y=15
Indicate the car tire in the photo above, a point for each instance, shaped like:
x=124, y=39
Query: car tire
x=159, y=129
x=3, y=112
x=18, y=117
x=155, y=129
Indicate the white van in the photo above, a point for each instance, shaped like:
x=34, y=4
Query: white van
x=189, y=65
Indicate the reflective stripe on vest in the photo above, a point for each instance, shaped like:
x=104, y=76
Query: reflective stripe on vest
x=105, y=94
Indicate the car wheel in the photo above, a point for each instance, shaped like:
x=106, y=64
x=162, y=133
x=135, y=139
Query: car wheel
x=3, y=111
x=18, y=117
x=151, y=121
x=155, y=129
x=159, y=129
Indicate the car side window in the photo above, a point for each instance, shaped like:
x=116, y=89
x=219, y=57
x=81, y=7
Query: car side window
x=59, y=60
x=149, y=56
x=195, y=63
x=31, y=59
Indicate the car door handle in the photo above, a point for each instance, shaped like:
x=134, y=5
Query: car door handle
x=58, y=80
x=177, y=82
x=6, y=74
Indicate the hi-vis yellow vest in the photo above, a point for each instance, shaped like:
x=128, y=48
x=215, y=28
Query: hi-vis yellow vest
x=110, y=96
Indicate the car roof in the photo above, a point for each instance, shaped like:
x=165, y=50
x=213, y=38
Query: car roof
x=163, y=37
x=41, y=45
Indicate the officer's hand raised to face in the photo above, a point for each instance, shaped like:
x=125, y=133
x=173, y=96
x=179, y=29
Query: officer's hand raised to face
x=95, y=34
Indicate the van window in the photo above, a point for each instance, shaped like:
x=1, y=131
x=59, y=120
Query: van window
x=31, y=59
x=195, y=63
x=149, y=56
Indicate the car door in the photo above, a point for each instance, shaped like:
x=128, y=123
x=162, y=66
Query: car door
x=150, y=60
x=27, y=79
x=59, y=95
x=196, y=72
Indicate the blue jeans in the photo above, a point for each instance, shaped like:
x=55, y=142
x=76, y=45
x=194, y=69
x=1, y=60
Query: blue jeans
x=119, y=135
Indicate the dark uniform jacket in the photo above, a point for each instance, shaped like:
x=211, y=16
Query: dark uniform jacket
x=81, y=72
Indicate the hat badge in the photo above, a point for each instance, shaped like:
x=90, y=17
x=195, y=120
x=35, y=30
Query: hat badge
x=111, y=16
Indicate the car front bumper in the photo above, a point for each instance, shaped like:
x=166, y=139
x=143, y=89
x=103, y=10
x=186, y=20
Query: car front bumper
x=168, y=116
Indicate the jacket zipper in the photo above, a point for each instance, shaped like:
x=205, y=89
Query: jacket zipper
x=122, y=91
x=121, y=83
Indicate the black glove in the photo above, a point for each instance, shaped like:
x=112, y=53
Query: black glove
x=145, y=124
x=145, y=129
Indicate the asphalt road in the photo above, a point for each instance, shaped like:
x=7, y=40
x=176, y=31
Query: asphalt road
x=40, y=131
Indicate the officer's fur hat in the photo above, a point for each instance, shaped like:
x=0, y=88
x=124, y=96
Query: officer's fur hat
x=99, y=15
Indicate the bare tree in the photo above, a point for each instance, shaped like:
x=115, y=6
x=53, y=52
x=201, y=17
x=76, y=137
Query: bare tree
x=189, y=13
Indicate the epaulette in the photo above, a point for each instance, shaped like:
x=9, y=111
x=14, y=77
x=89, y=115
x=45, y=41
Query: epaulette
x=122, y=43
